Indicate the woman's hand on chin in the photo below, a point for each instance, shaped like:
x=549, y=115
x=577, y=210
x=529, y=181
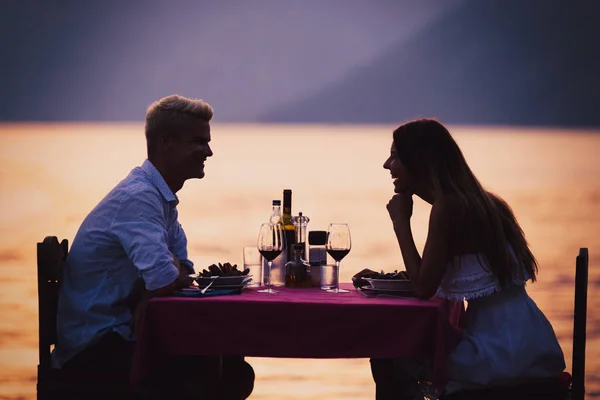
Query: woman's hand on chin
x=400, y=207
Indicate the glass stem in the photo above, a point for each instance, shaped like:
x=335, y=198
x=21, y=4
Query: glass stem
x=268, y=284
x=337, y=275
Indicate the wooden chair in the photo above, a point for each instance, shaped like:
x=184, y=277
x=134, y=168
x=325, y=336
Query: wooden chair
x=51, y=384
x=51, y=256
x=553, y=388
x=577, y=389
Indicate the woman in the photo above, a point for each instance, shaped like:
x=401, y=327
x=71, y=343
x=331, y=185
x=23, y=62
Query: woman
x=475, y=250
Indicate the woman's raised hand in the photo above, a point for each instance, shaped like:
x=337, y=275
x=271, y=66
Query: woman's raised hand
x=400, y=207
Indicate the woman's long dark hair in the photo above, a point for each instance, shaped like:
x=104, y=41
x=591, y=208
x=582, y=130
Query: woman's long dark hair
x=435, y=161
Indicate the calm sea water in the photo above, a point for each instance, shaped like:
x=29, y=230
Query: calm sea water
x=52, y=175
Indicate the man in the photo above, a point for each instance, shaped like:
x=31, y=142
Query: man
x=132, y=236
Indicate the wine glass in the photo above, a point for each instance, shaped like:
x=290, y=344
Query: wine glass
x=271, y=243
x=338, y=246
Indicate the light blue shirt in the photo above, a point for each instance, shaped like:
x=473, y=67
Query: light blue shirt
x=132, y=233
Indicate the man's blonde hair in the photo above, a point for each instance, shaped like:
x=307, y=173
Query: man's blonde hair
x=173, y=115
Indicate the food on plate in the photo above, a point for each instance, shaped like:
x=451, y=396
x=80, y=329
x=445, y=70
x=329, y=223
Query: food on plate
x=223, y=270
x=402, y=275
x=358, y=280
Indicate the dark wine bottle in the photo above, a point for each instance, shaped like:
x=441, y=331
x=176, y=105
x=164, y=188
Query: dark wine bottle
x=288, y=224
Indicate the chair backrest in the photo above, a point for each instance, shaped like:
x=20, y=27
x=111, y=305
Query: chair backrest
x=579, y=325
x=50, y=259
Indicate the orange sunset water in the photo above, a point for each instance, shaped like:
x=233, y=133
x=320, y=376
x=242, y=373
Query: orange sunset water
x=52, y=175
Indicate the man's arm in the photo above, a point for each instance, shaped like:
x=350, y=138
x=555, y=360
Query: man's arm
x=178, y=245
x=140, y=226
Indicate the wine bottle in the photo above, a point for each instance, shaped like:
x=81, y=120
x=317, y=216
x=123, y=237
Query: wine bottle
x=288, y=224
x=278, y=265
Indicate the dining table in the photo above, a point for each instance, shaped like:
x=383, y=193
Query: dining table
x=298, y=323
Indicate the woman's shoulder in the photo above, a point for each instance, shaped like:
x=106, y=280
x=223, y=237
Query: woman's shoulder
x=451, y=204
x=448, y=207
x=466, y=231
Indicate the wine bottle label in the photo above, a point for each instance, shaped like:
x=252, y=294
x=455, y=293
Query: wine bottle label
x=290, y=239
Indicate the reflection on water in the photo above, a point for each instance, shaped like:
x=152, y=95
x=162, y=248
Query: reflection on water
x=52, y=175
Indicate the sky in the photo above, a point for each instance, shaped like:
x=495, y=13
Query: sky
x=504, y=62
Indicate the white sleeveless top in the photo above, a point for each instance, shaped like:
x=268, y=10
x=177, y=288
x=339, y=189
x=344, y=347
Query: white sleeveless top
x=469, y=277
x=507, y=339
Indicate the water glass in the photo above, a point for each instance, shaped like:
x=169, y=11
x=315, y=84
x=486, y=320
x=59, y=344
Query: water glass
x=253, y=261
x=329, y=277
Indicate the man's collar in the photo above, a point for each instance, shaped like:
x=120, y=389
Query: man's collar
x=158, y=181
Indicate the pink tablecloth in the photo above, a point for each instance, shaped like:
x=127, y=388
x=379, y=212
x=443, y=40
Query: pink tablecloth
x=298, y=323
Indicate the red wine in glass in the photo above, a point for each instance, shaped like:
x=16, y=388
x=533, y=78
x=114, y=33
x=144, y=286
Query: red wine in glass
x=338, y=255
x=338, y=246
x=270, y=255
x=270, y=243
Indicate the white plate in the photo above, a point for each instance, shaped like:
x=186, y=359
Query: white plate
x=227, y=286
x=389, y=284
x=370, y=291
x=223, y=287
x=371, y=288
x=223, y=280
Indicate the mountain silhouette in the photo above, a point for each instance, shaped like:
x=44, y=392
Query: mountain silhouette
x=108, y=60
x=533, y=63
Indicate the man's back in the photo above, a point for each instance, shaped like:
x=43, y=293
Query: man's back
x=132, y=233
